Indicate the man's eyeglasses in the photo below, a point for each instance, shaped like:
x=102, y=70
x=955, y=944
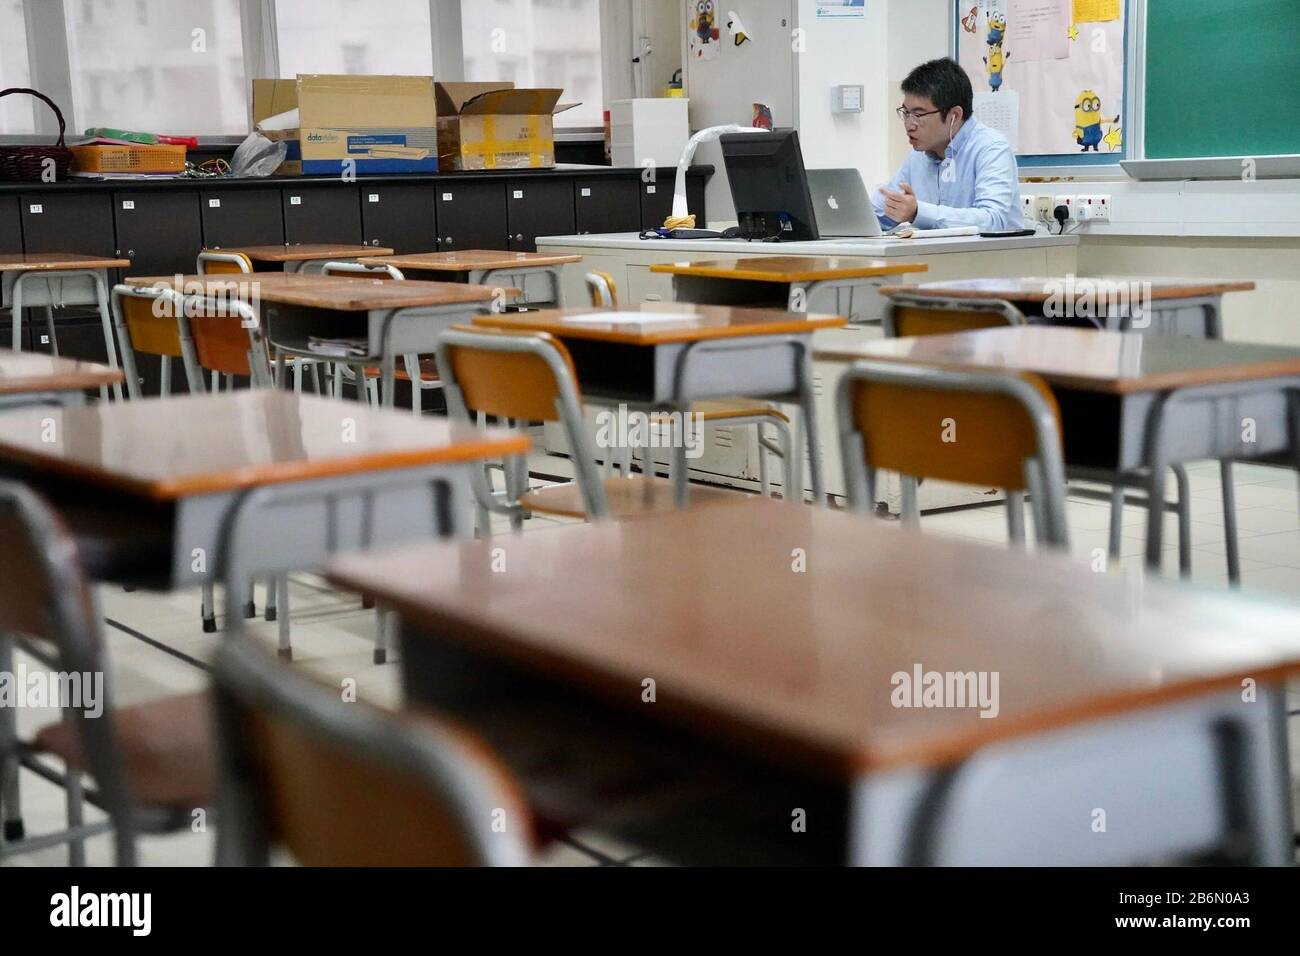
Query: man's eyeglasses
x=913, y=117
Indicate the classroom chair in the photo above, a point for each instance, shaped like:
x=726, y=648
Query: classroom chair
x=530, y=378
x=974, y=428
x=720, y=414
x=153, y=765
x=346, y=784
x=421, y=373
x=926, y=315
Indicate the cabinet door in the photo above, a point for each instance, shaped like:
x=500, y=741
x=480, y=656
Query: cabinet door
x=241, y=217
x=160, y=232
x=403, y=218
x=538, y=207
x=471, y=215
x=322, y=214
x=657, y=200
x=68, y=222
x=11, y=229
x=607, y=204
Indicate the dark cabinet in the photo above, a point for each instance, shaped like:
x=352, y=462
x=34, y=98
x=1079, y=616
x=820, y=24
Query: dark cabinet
x=472, y=216
x=539, y=207
x=160, y=232
x=11, y=227
x=241, y=217
x=607, y=204
x=401, y=218
x=68, y=222
x=322, y=214
x=657, y=200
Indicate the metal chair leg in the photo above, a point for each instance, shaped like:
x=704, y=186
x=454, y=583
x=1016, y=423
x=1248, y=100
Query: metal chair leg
x=1116, y=519
x=381, y=636
x=76, y=817
x=911, y=511
x=1184, y=521
x=1016, y=518
x=250, y=604
x=49, y=330
x=207, y=609
x=285, y=649
x=1230, y=524
x=272, y=608
x=10, y=795
x=764, y=483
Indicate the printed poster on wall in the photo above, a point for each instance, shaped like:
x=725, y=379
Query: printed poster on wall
x=1069, y=105
x=703, y=31
x=841, y=9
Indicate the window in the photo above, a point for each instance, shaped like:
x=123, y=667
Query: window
x=538, y=43
x=160, y=66
x=354, y=36
x=16, y=114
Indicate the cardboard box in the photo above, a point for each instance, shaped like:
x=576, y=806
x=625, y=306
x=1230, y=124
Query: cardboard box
x=383, y=124
x=495, y=126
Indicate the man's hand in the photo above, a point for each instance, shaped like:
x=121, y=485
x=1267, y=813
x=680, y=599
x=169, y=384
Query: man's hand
x=900, y=206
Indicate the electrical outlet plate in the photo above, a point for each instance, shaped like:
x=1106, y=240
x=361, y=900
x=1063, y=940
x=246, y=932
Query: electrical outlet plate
x=1043, y=208
x=1069, y=202
x=1027, y=207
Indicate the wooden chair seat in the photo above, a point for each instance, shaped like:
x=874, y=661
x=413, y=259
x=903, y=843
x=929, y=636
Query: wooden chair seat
x=428, y=371
x=628, y=498
x=167, y=748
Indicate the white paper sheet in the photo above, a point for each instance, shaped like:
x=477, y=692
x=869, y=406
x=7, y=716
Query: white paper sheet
x=1001, y=111
x=1038, y=30
x=631, y=318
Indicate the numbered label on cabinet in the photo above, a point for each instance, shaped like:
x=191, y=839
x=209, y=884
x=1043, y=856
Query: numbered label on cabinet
x=373, y=197
x=295, y=200
x=128, y=203
x=214, y=203
x=650, y=190
x=36, y=209
x=586, y=191
x=446, y=197
x=519, y=194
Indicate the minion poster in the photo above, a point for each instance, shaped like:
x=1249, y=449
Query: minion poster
x=1067, y=105
x=703, y=29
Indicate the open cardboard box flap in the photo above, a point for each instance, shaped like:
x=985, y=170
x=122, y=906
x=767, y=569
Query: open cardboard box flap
x=366, y=102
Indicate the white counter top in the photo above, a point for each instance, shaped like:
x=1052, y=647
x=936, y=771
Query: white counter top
x=880, y=248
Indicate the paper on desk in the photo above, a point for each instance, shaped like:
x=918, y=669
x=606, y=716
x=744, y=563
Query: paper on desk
x=630, y=318
x=339, y=348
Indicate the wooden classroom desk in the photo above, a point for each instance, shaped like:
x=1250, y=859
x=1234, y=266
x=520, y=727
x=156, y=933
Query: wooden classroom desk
x=35, y=378
x=393, y=318
x=183, y=468
x=55, y=280
x=712, y=352
x=1177, y=306
x=307, y=257
x=536, y=274
x=846, y=285
x=776, y=687
x=1130, y=400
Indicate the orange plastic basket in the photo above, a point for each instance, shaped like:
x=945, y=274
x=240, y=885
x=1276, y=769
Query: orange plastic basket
x=128, y=159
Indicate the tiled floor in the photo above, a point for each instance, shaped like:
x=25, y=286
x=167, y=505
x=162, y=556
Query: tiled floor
x=158, y=648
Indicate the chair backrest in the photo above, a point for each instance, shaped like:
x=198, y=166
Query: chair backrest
x=212, y=262
x=968, y=427
x=603, y=289
x=150, y=317
x=345, y=784
x=228, y=338
x=353, y=268
x=47, y=606
x=911, y=315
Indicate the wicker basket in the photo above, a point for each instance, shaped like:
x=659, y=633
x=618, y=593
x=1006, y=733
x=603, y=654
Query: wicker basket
x=30, y=163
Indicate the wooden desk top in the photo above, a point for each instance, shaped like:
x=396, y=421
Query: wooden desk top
x=698, y=322
x=25, y=372
x=50, y=261
x=170, y=448
x=740, y=646
x=342, y=293
x=468, y=260
x=1040, y=289
x=306, y=251
x=791, y=268
x=1088, y=360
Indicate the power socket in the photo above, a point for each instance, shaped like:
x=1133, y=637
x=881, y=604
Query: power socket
x=1069, y=202
x=1027, y=207
x=1043, y=208
x=1101, y=209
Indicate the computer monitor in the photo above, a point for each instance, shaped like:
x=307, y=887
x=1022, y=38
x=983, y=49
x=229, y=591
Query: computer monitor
x=768, y=185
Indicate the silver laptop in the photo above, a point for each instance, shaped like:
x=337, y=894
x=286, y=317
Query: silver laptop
x=842, y=205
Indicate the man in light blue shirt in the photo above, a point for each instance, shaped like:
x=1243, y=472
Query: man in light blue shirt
x=961, y=173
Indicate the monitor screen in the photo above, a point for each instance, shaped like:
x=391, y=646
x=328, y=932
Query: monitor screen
x=768, y=185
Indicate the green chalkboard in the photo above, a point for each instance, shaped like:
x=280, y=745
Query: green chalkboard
x=1222, y=78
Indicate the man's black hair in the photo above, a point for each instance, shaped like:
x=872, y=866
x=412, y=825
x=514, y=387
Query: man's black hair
x=943, y=83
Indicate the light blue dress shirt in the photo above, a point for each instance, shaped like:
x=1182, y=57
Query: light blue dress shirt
x=981, y=189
